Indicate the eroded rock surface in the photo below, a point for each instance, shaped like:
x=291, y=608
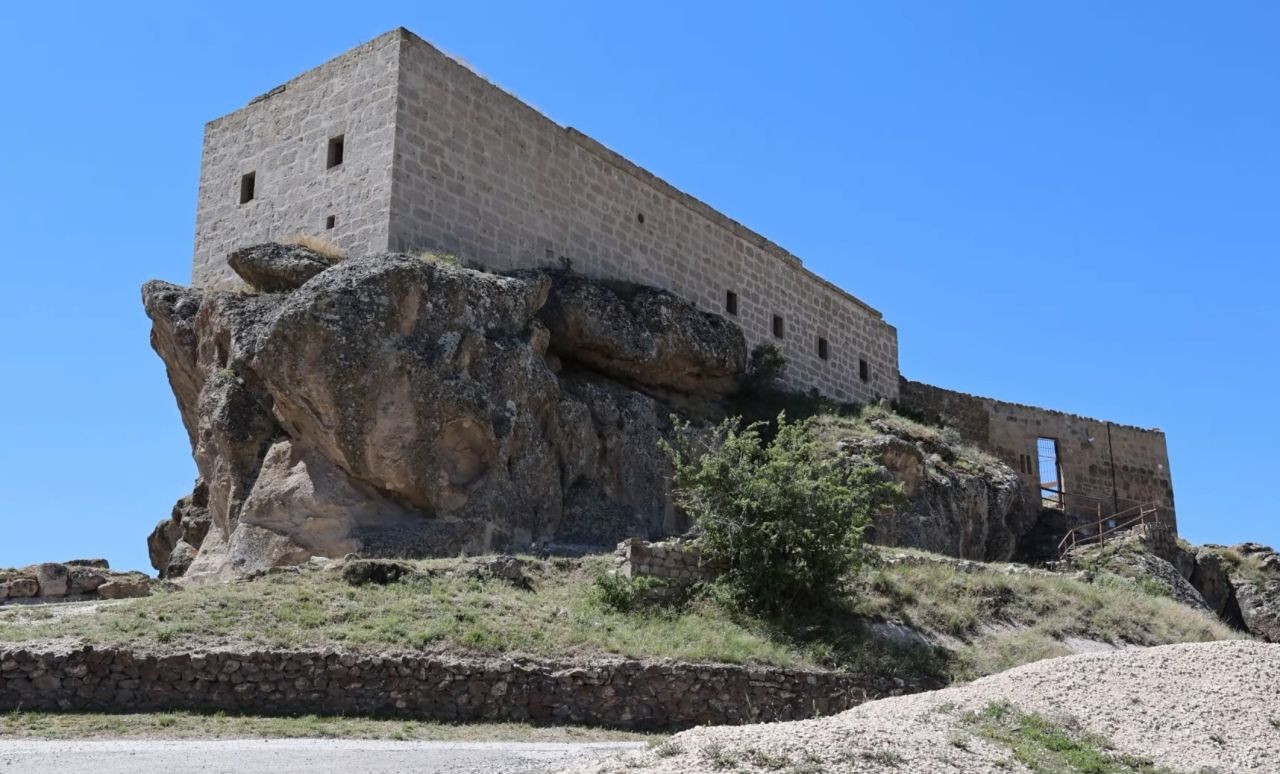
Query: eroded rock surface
x=274, y=267
x=395, y=407
x=950, y=507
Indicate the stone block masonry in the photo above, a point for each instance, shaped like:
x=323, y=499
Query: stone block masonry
x=435, y=157
x=1102, y=464
x=614, y=693
x=265, y=174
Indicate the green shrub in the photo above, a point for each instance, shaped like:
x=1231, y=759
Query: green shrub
x=767, y=366
x=618, y=592
x=784, y=518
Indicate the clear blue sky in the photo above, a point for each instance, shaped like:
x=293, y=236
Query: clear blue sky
x=1067, y=204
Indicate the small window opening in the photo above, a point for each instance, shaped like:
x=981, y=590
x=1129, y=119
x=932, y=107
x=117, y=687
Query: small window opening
x=331, y=221
x=335, y=151
x=731, y=302
x=1051, y=485
x=246, y=187
x=778, y=327
x=823, y=350
x=864, y=370
x=640, y=217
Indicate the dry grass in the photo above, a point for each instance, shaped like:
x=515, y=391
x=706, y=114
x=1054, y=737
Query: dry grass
x=192, y=725
x=831, y=428
x=322, y=247
x=433, y=256
x=984, y=621
x=1002, y=620
x=432, y=612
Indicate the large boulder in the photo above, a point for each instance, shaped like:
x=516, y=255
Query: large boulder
x=51, y=577
x=274, y=267
x=644, y=335
x=396, y=407
x=1210, y=578
x=948, y=508
x=173, y=544
x=1259, y=602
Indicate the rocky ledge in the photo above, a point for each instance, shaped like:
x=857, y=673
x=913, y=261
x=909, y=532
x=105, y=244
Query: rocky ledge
x=402, y=406
x=77, y=579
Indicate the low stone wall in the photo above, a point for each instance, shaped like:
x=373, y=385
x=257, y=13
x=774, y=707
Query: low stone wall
x=617, y=693
x=673, y=561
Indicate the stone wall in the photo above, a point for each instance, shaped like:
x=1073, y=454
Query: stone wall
x=1103, y=464
x=481, y=174
x=678, y=562
x=619, y=693
x=478, y=173
x=282, y=137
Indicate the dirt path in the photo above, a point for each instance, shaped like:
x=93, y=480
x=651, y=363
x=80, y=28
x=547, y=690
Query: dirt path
x=257, y=756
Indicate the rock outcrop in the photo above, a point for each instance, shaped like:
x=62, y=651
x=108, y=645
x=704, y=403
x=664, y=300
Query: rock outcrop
x=1254, y=571
x=77, y=579
x=966, y=509
x=273, y=267
x=399, y=407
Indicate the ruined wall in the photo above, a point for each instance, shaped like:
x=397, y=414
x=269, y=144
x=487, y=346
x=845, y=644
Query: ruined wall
x=480, y=174
x=613, y=693
x=1102, y=462
x=282, y=137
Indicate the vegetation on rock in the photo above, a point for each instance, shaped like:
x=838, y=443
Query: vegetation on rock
x=783, y=519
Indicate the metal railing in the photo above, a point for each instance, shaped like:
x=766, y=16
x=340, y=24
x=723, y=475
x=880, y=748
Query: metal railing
x=1122, y=521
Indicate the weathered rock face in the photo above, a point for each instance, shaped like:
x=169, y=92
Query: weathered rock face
x=1255, y=581
x=396, y=407
x=1209, y=577
x=1260, y=607
x=274, y=267
x=949, y=509
x=172, y=545
x=644, y=335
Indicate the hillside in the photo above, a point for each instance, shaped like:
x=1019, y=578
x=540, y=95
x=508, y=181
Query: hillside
x=915, y=614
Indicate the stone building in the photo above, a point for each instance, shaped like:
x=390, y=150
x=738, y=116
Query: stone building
x=395, y=146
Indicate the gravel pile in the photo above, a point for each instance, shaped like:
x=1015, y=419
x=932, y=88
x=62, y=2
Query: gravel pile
x=1203, y=707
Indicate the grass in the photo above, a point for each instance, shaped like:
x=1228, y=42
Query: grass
x=945, y=440
x=322, y=247
x=1048, y=747
x=1248, y=567
x=190, y=725
x=1001, y=620
x=432, y=611
x=984, y=621
x=433, y=256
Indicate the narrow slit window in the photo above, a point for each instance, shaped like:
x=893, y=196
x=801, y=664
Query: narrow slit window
x=330, y=221
x=640, y=217
x=864, y=370
x=335, y=151
x=1051, y=484
x=824, y=351
x=731, y=302
x=247, y=182
x=778, y=327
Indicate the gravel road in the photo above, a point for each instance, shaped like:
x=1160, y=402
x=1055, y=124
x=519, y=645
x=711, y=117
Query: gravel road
x=1204, y=707
x=283, y=756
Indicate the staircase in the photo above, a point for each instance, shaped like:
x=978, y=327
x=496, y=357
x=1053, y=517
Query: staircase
x=1109, y=527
